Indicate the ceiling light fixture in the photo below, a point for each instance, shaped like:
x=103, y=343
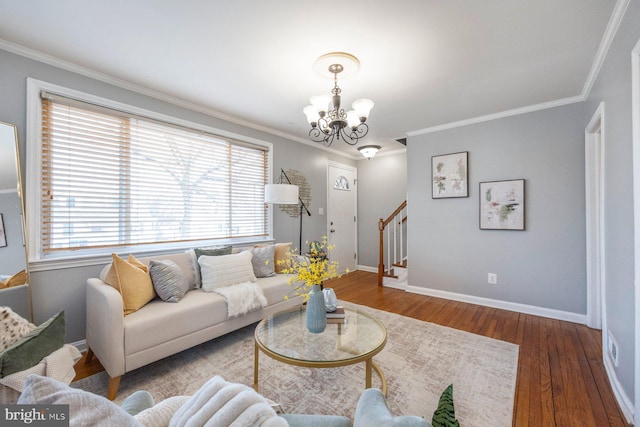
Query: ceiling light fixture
x=327, y=119
x=369, y=150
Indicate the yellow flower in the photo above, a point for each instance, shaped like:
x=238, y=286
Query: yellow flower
x=310, y=270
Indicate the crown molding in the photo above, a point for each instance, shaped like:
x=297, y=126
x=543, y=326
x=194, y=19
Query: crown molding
x=123, y=84
x=605, y=43
x=496, y=116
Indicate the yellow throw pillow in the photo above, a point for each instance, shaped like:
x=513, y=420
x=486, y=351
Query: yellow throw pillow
x=111, y=277
x=133, y=282
x=282, y=254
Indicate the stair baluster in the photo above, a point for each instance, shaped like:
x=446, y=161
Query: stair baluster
x=396, y=239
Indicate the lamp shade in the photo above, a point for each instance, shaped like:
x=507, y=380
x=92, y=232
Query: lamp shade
x=281, y=194
x=363, y=107
x=369, y=150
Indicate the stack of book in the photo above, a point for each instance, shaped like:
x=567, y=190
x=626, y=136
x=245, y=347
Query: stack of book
x=337, y=316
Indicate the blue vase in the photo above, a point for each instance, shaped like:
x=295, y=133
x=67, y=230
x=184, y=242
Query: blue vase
x=316, y=312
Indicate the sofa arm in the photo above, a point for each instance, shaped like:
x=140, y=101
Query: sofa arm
x=105, y=326
x=300, y=420
x=372, y=410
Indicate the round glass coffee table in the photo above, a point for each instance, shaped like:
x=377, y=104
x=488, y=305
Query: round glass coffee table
x=357, y=338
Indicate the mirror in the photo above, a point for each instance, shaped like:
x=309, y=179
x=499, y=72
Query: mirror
x=14, y=275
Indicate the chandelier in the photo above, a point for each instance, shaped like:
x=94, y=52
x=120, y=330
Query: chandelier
x=327, y=118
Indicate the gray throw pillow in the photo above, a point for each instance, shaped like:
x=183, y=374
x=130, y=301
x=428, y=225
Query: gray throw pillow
x=169, y=281
x=33, y=347
x=263, y=261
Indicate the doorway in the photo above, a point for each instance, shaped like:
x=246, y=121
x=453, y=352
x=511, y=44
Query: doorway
x=594, y=192
x=635, y=113
x=342, y=194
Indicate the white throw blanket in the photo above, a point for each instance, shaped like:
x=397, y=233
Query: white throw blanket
x=242, y=298
x=58, y=365
x=222, y=404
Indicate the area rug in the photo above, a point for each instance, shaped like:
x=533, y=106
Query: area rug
x=419, y=360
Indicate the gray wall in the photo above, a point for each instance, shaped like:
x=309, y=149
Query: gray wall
x=613, y=87
x=382, y=186
x=544, y=265
x=64, y=289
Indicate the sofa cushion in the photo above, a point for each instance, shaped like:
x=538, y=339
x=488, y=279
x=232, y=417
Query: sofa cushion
x=196, y=311
x=133, y=282
x=263, y=260
x=226, y=270
x=169, y=281
x=29, y=350
x=275, y=288
x=85, y=409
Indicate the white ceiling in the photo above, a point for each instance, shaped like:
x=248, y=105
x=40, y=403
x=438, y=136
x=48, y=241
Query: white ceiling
x=424, y=62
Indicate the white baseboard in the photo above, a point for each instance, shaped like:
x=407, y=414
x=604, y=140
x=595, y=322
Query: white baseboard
x=367, y=268
x=504, y=305
x=621, y=397
x=80, y=345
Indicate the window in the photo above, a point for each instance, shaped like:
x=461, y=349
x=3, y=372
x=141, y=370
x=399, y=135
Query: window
x=113, y=179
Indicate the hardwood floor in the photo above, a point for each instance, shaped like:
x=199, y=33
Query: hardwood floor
x=561, y=378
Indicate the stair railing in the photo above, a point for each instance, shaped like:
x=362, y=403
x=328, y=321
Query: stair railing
x=394, y=244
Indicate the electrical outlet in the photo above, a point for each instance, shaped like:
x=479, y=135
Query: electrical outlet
x=493, y=278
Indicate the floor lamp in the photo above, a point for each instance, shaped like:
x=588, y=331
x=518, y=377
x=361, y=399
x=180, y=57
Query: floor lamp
x=285, y=194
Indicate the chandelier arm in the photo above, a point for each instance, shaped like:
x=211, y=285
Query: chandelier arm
x=362, y=129
x=317, y=135
x=348, y=136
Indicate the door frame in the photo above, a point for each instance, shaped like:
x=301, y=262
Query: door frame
x=353, y=169
x=594, y=200
x=635, y=118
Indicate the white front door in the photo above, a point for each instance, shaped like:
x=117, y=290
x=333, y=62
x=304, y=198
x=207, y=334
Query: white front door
x=341, y=215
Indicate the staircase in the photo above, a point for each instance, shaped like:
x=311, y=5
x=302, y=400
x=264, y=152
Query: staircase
x=393, y=247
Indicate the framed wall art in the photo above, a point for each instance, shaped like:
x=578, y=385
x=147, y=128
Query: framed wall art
x=502, y=205
x=449, y=177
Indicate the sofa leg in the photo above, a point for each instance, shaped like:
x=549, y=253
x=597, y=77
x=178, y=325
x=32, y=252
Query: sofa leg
x=112, y=388
x=89, y=356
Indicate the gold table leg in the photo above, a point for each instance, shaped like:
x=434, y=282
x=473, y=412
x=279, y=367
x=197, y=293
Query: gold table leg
x=383, y=379
x=255, y=368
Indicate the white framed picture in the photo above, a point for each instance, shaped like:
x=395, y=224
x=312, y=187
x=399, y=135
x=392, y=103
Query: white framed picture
x=449, y=177
x=502, y=205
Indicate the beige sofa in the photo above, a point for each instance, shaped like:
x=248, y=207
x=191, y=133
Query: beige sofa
x=160, y=329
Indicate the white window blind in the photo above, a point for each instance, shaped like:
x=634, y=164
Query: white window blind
x=111, y=179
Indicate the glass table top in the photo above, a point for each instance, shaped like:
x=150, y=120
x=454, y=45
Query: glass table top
x=285, y=336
